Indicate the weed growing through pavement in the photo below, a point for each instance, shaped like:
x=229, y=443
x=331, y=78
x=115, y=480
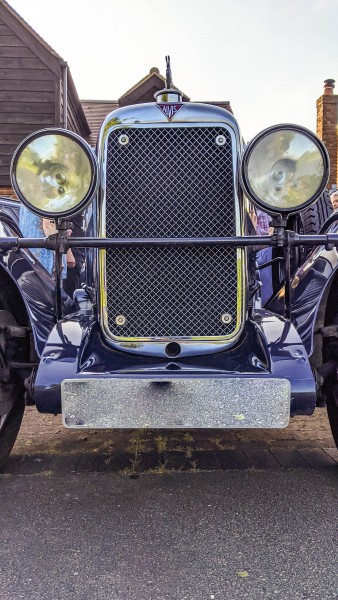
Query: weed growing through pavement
x=136, y=445
x=161, y=443
x=187, y=437
x=188, y=451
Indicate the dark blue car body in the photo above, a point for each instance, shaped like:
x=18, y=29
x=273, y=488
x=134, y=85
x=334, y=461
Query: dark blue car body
x=75, y=348
x=77, y=343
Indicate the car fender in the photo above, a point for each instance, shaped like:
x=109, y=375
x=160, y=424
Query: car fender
x=21, y=273
x=310, y=288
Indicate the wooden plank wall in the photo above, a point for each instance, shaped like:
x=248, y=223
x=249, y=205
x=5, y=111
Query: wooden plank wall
x=28, y=91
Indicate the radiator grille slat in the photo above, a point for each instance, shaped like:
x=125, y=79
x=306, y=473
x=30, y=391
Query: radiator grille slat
x=170, y=182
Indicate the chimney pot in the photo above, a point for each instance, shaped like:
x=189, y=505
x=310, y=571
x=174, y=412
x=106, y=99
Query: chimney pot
x=329, y=87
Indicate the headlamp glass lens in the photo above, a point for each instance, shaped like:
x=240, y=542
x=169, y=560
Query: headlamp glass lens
x=285, y=169
x=53, y=173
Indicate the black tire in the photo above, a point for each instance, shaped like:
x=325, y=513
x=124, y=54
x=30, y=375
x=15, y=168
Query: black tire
x=309, y=221
x=330, y=387
x=313, y=217
x=332, y=410
x=330, y=357
x=12, y=403
x=10, y=425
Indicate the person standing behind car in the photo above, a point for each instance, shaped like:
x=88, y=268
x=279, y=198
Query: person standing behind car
x=334, y=199
x=261, y=223
x=75, y=258
x=49, y=228
x=33, y=226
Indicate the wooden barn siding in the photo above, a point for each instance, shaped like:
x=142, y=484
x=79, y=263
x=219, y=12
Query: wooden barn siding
x=27, y=96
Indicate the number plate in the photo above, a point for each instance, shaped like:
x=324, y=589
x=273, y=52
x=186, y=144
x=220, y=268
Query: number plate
x=227, y=403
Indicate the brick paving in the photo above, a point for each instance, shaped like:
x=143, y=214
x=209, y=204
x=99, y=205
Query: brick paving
x=44, y=446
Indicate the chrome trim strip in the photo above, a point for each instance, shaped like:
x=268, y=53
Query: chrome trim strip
x=223, y=119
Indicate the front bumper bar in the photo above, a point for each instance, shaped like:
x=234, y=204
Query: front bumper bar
x=177, y=403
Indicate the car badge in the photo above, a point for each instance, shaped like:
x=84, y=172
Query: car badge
x=169, y=110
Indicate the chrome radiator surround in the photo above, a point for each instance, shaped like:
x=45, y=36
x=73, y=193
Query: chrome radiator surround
x=177, y=224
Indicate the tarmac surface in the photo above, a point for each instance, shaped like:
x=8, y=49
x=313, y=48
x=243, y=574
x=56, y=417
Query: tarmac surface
x=225, y=535
x=170, y=515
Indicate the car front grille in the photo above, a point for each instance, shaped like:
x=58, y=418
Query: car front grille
x=170, y=182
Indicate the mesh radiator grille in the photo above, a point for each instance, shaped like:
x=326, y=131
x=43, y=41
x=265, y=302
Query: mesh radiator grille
x=170, y=182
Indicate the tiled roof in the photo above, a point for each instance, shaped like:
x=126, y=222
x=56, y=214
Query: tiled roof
x=221, y=103
x=95, y=112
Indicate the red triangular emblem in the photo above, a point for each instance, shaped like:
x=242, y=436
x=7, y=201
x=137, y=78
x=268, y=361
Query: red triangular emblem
x=169, y=109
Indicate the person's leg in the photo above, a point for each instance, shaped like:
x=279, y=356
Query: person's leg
x=265, y=275
x=72, y=281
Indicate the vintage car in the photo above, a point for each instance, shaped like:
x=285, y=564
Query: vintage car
x=168, y=329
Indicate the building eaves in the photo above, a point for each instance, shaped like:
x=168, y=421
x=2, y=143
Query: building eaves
x=48, y=55
x=30, y=29
x=141, y=82
x=153, y=74
x=77, y=102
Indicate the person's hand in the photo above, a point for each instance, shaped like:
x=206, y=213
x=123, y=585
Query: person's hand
x=70, y=259
x=271, y=230
x=48, y=226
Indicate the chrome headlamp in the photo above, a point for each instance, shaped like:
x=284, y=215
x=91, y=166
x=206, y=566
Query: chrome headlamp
x=284, y=169
x=54, y=173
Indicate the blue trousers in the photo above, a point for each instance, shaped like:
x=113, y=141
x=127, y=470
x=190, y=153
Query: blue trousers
x=265, y=275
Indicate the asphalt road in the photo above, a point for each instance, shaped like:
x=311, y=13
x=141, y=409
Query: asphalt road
x=170, y=515
x=226, y=535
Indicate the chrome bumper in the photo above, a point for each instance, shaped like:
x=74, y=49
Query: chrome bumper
x=125, y=403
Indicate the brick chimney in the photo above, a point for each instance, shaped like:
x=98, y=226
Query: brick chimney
x=327, y=127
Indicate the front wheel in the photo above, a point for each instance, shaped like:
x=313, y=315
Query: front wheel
x=10, y=425
x=330, y=386
x=309, y=222
x=332, y=405
x=12, y=390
